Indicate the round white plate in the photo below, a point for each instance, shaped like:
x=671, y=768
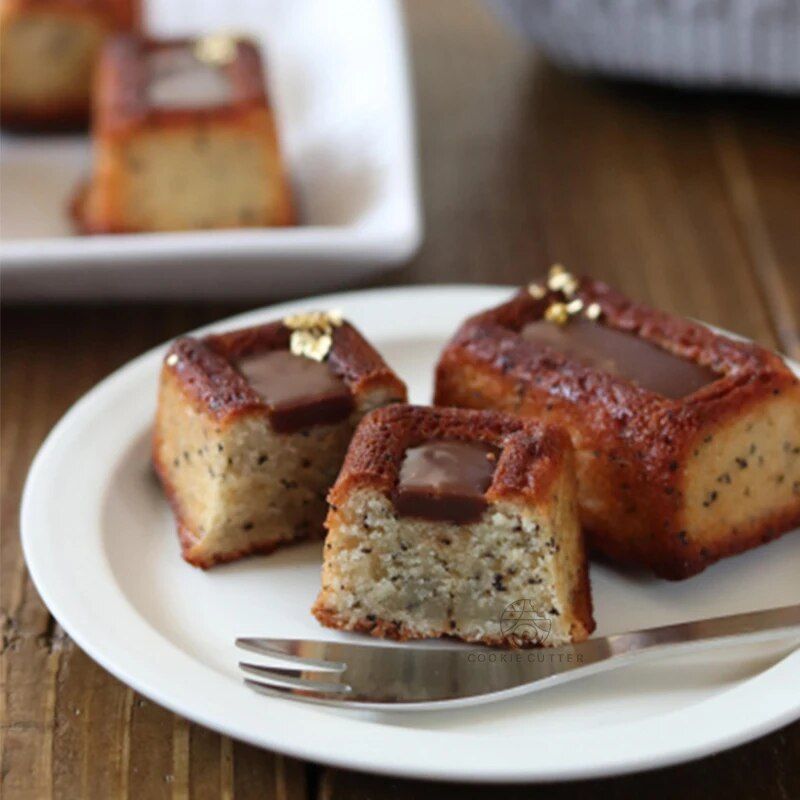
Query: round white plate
x=101, y=547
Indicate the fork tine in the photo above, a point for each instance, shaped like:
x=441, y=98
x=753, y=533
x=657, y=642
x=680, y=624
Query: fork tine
x=284, y=693
x=290, y=652
x=292, y=672
x=314, y=681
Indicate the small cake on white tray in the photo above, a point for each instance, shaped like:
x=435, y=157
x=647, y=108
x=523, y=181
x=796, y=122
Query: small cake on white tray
x=184, y=138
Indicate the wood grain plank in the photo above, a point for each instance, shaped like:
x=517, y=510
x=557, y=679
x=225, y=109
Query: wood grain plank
x=766, y=769
x=88, y=735
x=481, y=213
x=204, y=767
x=761, y=165
x=625, y=204
x=59, y=708
x=150, y=766
x=524, y=165
x=261, y=774
x=32, y=644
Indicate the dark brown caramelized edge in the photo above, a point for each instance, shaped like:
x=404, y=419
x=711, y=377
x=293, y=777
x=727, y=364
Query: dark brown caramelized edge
x=653, y=434
x=122, y=80
x=746, y=371
x=118, y=14
x=531, y=454
x=205, y=367
x=58, y=117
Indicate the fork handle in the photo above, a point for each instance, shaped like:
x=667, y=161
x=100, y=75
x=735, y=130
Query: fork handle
x=533, y=670
x=596, y=655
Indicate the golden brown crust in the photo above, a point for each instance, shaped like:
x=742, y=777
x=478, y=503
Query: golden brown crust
x=531, y=454
x=582, y=606
x=391, y=629
x=680, y=558
x=641, y=438
x=205, y=369
x=746, y=370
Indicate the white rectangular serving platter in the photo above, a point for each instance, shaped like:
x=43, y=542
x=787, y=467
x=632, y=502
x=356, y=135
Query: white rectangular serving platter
x=338, y=77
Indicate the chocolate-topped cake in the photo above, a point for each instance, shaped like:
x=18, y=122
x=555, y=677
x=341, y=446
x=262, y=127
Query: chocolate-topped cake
x=253, y=425
x=184, y=139
x=48, y=54
x=688, y=442
x=446, y=522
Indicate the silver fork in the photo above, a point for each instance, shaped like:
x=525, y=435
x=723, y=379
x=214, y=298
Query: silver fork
x=405, y=677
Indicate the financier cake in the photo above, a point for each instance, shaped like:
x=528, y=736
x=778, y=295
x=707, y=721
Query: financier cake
x=184, y=138
x=48, y=52
x=252, y=427
x=445, y=522
x=688, y=442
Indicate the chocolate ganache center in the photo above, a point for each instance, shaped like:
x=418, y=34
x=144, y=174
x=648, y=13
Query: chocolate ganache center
x=178, y=79
x=299, y=392
x=619, y=353
x=445, y=481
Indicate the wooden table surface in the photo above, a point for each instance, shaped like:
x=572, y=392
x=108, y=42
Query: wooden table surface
x=688, y=201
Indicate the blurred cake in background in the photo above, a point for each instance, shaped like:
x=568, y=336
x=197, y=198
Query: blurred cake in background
x=751, y=44
x=48, y=50
x=184, y=138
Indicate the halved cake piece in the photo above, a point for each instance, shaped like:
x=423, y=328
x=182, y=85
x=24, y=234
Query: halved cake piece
x=688, y=442
x=184, y=138
x=48, y=52
x=457, y=523
x=252, y=427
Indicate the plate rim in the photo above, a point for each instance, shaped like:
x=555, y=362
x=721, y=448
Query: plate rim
x=766, y=712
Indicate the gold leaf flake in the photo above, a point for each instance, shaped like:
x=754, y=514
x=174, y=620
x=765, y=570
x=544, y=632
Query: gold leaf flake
x=312, y=333
x=575, y=306
x=557, y=313
x=536, y=292
x=593, y=311
x=324, y=320
x=310, y=345
x=559, y=280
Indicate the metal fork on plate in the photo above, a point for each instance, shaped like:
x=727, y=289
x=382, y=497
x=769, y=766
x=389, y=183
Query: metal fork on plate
x=405, y=677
